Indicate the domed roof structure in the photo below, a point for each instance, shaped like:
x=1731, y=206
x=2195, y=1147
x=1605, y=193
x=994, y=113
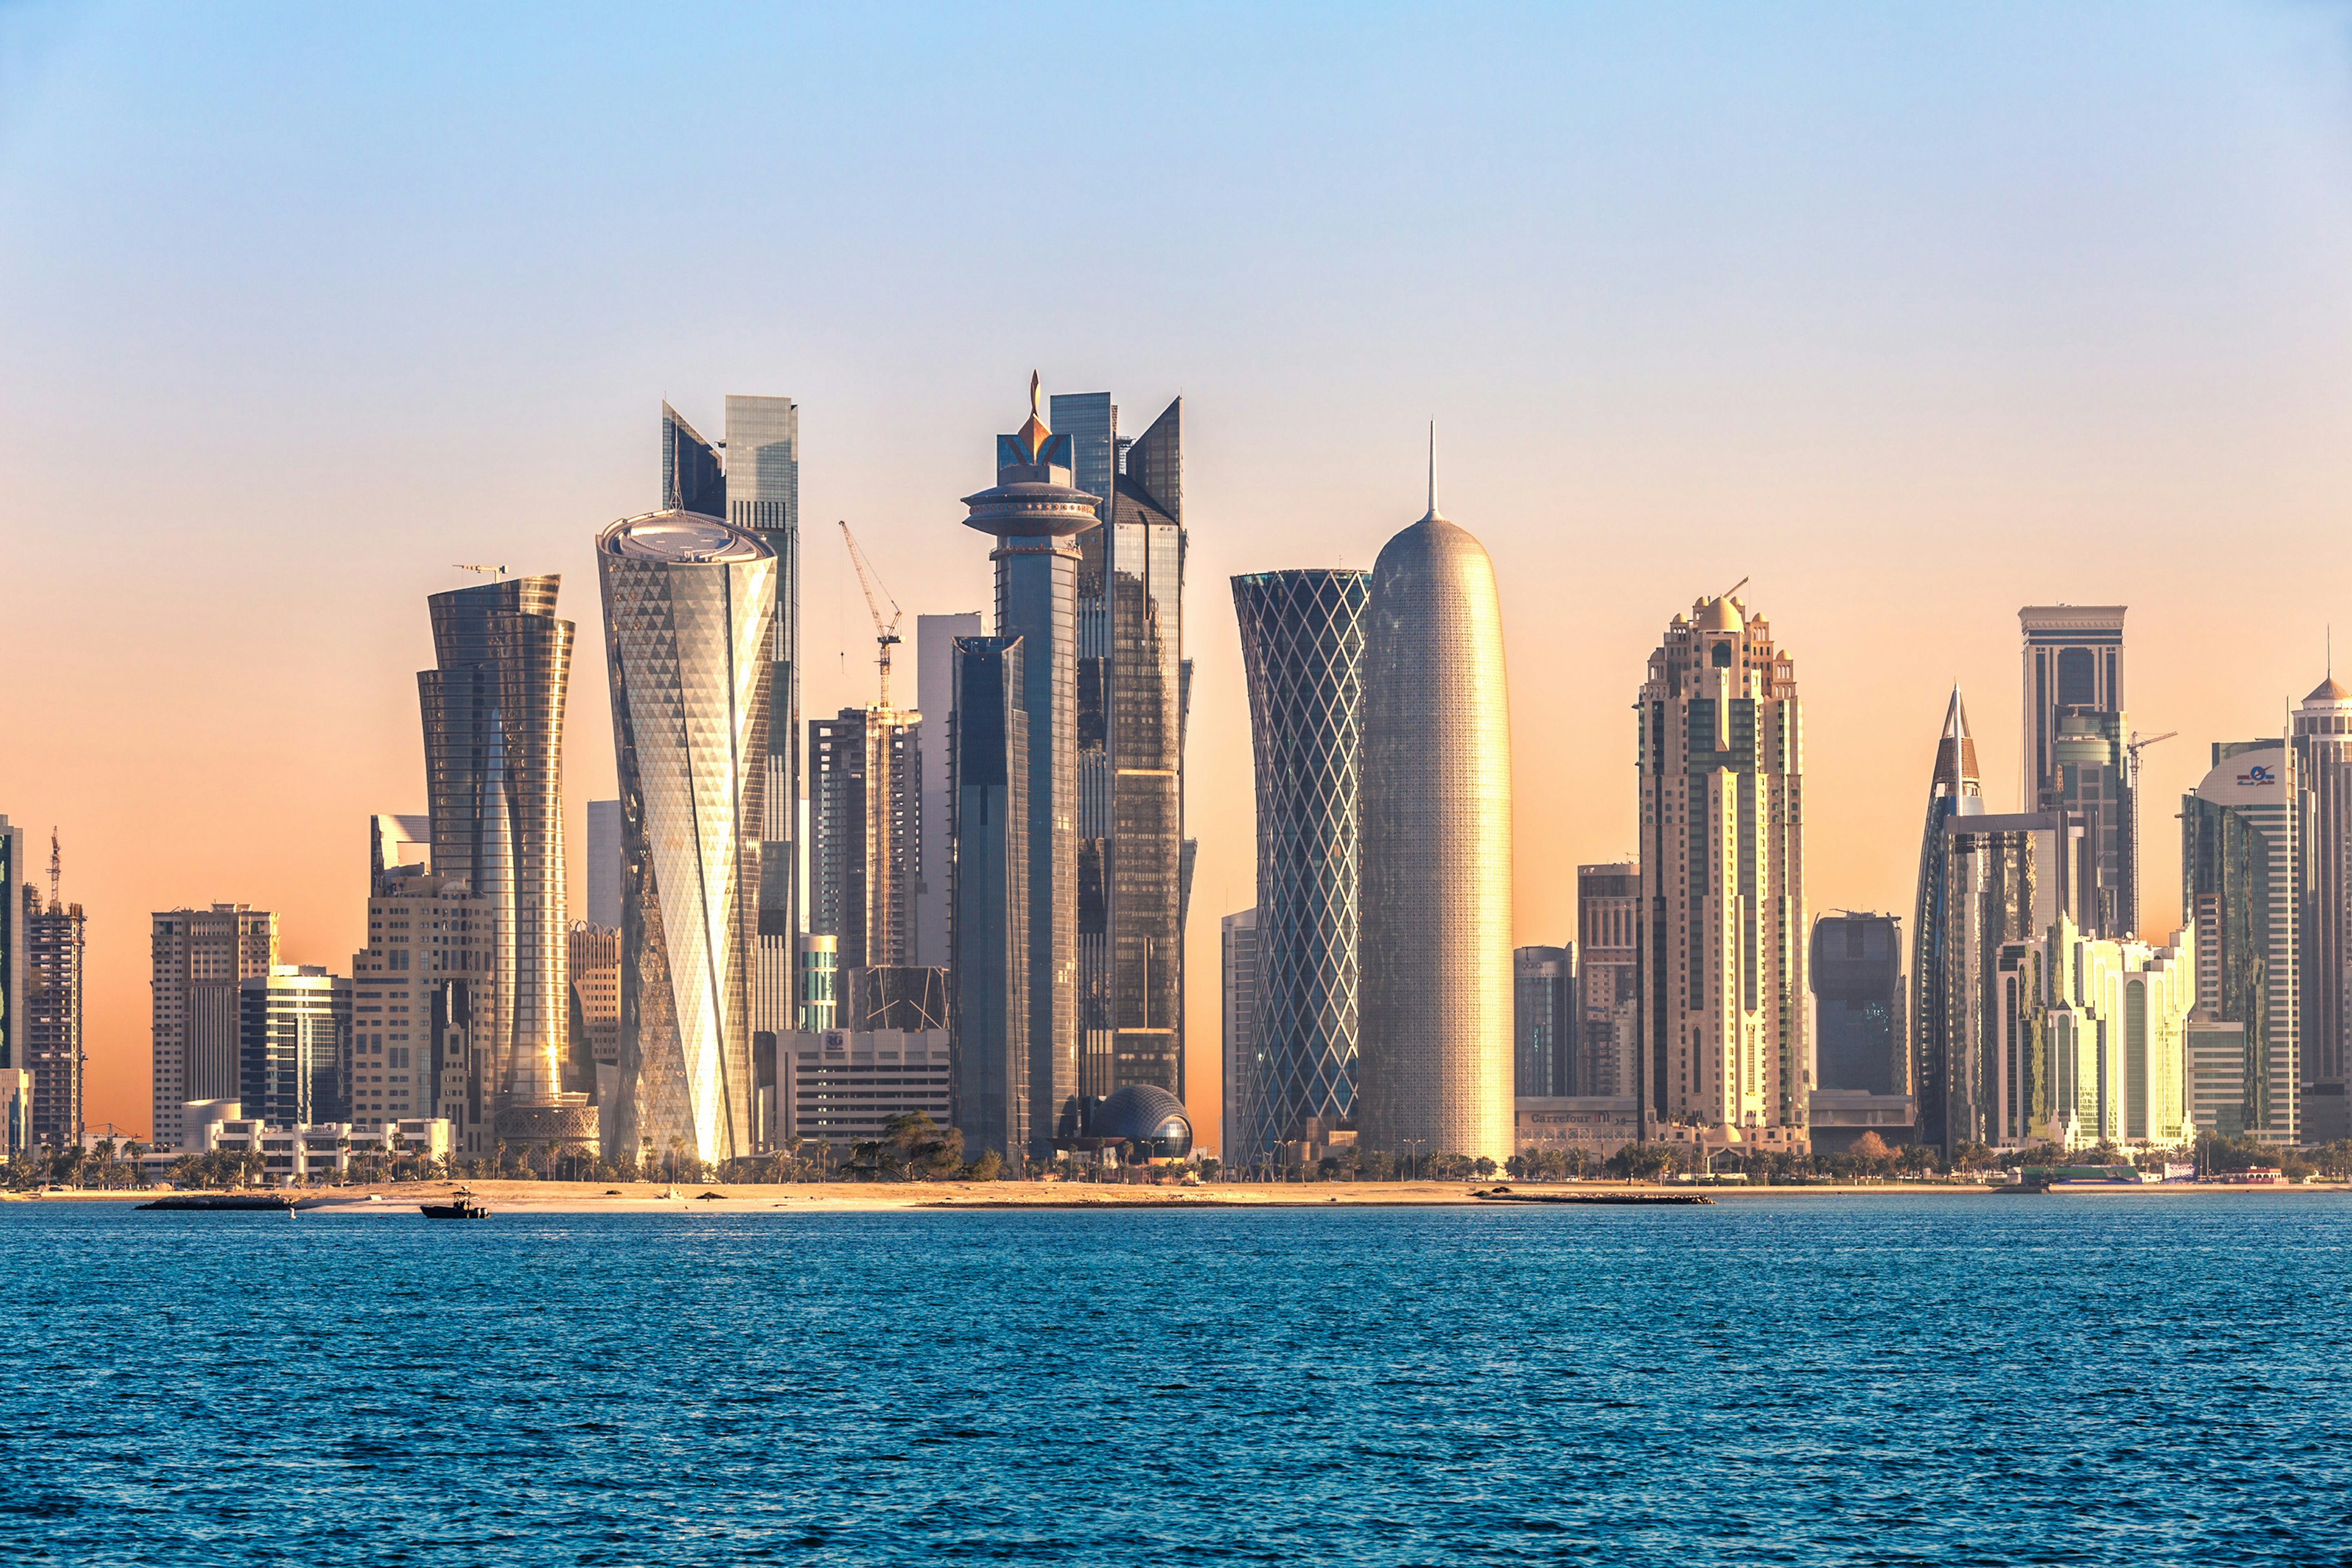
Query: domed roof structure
x=1146, y=1113
x=1718, y=615
x=2328, y=690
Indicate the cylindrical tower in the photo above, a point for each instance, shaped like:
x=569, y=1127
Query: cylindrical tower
x=1303, y=652
x=1034, y=511
x=689, y=608
x=1435, y=1067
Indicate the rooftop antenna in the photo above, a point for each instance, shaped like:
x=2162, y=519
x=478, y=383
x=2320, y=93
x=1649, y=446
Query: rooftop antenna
x=885, y=634
x=498, y=571
x=1432, y=468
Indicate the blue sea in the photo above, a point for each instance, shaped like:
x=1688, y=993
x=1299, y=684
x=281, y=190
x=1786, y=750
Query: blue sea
x=1800, y=1380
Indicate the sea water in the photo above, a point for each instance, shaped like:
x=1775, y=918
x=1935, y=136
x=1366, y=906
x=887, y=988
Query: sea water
x=1927, y=1379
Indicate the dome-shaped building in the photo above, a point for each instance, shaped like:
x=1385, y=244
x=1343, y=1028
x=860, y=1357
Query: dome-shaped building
x=1435, y=1062
x=1147, y=1115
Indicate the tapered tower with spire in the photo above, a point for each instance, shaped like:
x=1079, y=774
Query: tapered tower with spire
x=1956, y=789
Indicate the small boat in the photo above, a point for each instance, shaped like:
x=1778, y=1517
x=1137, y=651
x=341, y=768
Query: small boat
x=464, y=1208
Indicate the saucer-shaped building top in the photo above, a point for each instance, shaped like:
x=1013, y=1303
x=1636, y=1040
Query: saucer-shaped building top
x=1435, y=1062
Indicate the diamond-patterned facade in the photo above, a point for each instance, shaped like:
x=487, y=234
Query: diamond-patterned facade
x=1303, y=652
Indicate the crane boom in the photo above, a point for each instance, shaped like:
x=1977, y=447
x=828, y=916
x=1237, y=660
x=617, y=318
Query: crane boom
x=885, y=634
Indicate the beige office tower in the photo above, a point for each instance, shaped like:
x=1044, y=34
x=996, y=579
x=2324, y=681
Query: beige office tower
x=201, y=959
x=1435, y=1035
x=1723, y=881
x=1608, y=978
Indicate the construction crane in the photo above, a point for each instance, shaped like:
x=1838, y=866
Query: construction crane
x=2136, y=745
x=885, y=634
x=498, y=571
x=56, y=868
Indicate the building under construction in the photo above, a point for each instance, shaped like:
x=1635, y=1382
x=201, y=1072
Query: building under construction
x=54, y=1046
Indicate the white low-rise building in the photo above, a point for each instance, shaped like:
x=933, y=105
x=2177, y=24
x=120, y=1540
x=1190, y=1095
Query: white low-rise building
x=323, y=1150
x=841, y=1088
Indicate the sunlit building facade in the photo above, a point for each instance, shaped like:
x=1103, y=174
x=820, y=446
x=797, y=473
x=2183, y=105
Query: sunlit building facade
x=689, y=611
x=1302, y=637
x=1132, y=688
x=2239, y=847
x=1723, y=880
x=1434, y=1056
x=493, y=709
x=201, y=959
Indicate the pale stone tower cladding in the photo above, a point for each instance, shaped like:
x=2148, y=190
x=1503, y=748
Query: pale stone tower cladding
x=1722, y=764
x=1435, y=1067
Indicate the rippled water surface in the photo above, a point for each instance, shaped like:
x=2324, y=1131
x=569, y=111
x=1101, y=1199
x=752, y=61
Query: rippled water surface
x=1946, y=1380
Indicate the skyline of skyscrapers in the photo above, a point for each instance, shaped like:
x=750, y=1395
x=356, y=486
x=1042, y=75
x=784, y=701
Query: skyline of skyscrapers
x=1302, y=635
x=689, y=611
x=1723, y=877
x=1434, y=1049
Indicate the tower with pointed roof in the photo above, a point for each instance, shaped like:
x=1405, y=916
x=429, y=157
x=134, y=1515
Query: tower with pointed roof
x=2322, y=736
x=1035, y=513
x=1956, y=789
x=1723, y=883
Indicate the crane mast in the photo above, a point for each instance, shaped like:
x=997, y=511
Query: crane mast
x=885, y=634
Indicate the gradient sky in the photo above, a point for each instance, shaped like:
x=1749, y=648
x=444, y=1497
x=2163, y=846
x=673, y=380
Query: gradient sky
x=1912, y=314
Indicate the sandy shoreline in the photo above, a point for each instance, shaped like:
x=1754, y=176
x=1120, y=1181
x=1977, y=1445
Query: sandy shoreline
x=856, y=1197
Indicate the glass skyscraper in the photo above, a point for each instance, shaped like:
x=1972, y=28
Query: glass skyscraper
x=2239, y=853
x=493, y=710
x=1859, y=1041
x=1434, y=1057
x=1303, y=655
x=1131, y=683
x=2323, y=769
x=689, y=612
x=2077, y=758
x=295, y=1045
x=1034, y=513
x=1543, y=1011
x=989, y=959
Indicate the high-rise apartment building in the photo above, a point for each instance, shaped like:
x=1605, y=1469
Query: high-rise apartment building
x=15, y=1076
x=752, y=480
x=2077, y=756
x=294, y=1046
x=1131, y=690
x=421, y=1005
x=50, y=1009
x=1608, y=978
x=201, y=960
x=2239, y=851
x=1435, y=1062
x=1860, y=1043
x=1544, y=1020
x=1723, y=878
x=596, y=967
x=935, y=637
x=1238, y=971
x=493, y=708
x=604, y=864
x=1303, y=656
x=1035, y=514
x=865, y=821
x=999, y=1056
x=689, y=612
x=2322, y=733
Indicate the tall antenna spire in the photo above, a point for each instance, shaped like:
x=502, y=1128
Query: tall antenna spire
x=1432, y=468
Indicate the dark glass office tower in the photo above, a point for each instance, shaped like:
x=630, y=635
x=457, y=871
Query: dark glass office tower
x=1034, y=513
x=1130, y=737
x=1859, y=1042
x=1303, y=655
x=1543, y=1021
x=493, y=715
x=2076, y=756
x=1954, y=789
x=694, y=474
x=294, y=1046
x=987, y=928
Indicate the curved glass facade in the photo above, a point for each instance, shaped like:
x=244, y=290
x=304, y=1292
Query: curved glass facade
x=1303, y=654
x=1436, y=1065
x=688, y=637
